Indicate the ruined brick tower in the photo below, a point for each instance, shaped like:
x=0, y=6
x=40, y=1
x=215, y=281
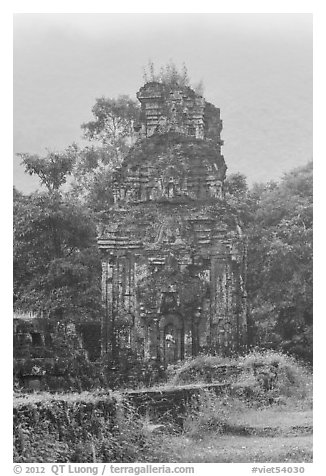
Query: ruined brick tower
x=174, y=257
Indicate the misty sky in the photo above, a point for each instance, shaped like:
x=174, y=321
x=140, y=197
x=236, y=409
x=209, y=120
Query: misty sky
x=257, y=68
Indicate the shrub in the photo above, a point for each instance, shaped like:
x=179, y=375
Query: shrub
x=204, y=368
x=259, y=378
x=272, y=377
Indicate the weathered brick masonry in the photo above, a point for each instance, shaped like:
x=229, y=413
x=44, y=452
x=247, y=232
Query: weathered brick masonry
x=174, y=256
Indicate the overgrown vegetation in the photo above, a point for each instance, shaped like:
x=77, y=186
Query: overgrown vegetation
x=75, y=430
x=203, y=369
x=57, y=266
x=95, y=427
x=258, y=378
x=171, y=76
x=270, y=396
x=56, y=260
x=278, y=220
x=57, y=275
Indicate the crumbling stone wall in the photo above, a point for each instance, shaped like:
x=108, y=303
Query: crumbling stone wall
x=55, y=355
x=174, y=257
x=172, y=109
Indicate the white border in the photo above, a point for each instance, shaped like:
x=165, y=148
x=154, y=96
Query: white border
x=319, y=218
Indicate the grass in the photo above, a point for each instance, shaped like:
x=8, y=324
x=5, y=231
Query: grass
x=267, y=417
x=281, y=421
x=241, y=434
x=239, y=449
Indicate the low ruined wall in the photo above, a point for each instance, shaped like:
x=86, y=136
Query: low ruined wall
x=56, y=429
x=91, y=427
x=170, y=403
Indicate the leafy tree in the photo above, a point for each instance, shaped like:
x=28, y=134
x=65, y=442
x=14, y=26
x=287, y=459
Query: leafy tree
x=92, y=178
x=56, y=261
x=112, y=135
x=236, y=184
x=113, y=125
x=53, y=169
x=243, y=203
x=280, y=263
x=277, y=219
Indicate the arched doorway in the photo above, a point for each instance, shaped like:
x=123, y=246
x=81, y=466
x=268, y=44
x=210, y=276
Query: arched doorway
x=171, y=338
x=170, y=344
